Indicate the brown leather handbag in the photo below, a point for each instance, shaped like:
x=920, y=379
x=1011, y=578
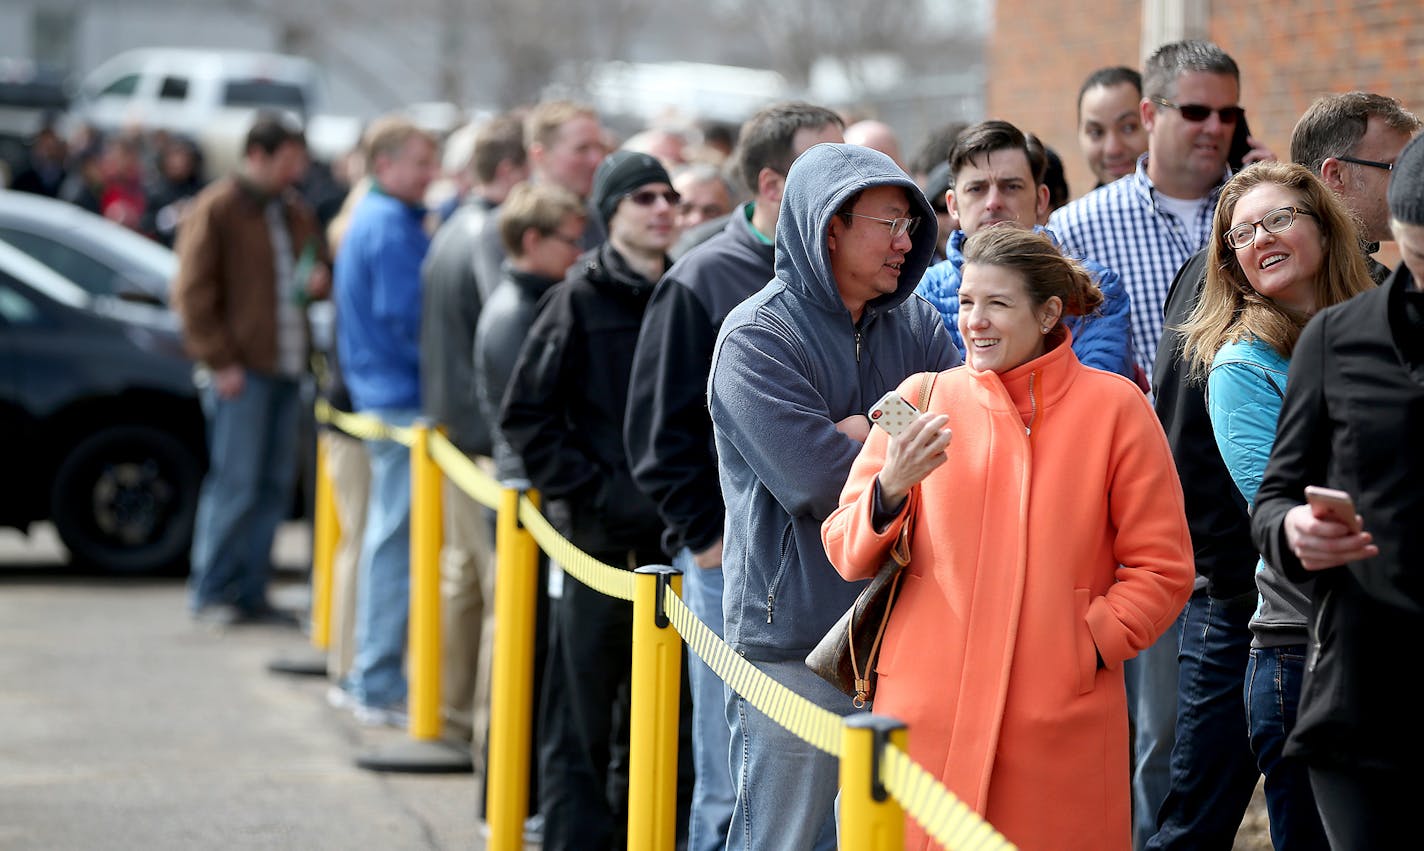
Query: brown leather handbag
x=845, y=657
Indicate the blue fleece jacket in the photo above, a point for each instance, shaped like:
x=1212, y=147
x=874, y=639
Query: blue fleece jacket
x=1102, y=340
x=378, y=298
x=788, y=365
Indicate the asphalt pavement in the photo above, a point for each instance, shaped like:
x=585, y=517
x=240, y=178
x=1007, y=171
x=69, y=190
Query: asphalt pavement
x=124, y=725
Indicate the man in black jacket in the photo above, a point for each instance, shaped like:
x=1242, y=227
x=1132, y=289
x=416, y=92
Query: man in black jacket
x=669, y=434
x=1213, y=768
x=563, y=413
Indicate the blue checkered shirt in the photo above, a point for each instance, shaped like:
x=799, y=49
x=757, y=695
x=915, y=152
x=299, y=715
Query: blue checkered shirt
x=1121, y=226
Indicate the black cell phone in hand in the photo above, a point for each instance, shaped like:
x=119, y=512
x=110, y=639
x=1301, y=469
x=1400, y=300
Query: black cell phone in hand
x=1239, y=146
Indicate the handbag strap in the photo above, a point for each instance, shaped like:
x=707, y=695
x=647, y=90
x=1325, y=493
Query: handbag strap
x=927, y=381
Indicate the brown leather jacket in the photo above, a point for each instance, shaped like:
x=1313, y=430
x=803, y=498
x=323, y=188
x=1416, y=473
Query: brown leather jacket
x=226, y=292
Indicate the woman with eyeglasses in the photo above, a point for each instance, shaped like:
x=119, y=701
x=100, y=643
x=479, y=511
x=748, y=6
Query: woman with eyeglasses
x=1282, y=249
x=1048, y=544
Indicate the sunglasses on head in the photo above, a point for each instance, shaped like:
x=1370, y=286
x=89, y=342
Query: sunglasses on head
x=1195, y=112
x=649, y=197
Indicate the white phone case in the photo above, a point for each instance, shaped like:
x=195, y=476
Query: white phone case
x=893, y=413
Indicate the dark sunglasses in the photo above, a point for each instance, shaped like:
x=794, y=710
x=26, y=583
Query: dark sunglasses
x=1195, y=112
x=649, y=197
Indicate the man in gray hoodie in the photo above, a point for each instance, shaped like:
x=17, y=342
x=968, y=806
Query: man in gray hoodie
x=795, y=368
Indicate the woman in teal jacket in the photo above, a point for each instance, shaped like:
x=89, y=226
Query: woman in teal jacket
x=1282, y=249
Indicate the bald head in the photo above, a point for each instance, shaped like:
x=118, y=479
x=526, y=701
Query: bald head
x=876, y=135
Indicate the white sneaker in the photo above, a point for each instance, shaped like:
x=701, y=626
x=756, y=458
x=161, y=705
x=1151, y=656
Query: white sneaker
x=339, y=698
x=382, y=716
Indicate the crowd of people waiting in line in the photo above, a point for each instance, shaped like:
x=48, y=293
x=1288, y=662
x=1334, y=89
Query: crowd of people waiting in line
x=1118, y=613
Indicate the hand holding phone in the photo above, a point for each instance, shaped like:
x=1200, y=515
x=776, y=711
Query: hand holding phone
x=892, y=413
x=1336, y=505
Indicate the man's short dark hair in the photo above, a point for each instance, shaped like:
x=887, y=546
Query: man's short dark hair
x=270, y=131
x=1172, y=60
x=1334, y=125
x=1110, y=77
x=987, y=137
x=499, y=139
x=766, y=139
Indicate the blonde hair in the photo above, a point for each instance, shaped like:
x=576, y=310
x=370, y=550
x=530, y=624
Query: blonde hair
x=1230, y=310
x=386, y=136
x=546, y=119
x=541, y=206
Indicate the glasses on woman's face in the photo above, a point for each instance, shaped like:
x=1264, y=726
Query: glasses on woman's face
x=1275, y=221
x=898, y=227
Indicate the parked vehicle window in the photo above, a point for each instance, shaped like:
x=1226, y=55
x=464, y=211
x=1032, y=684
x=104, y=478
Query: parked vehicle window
x=256, y=92
x=74, y=265
x=123, y=86
x=15, y=309
x=174, y=88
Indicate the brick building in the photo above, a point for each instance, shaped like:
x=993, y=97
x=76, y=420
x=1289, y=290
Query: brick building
x=1290, y=52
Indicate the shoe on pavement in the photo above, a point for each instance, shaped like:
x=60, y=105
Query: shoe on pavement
x=217, y=615
x=392, y=715
x=339, y=698
x=268, y=615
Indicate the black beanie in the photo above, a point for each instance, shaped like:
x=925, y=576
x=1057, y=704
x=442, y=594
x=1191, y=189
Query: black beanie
x=1406, y=185
x=622, y=172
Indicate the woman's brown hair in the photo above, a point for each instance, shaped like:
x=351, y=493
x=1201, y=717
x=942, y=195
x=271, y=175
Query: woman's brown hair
x=1229, y=309
x=1046, y=272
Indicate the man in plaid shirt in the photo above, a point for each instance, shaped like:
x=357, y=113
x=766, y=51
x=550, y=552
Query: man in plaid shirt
x=1145, y=226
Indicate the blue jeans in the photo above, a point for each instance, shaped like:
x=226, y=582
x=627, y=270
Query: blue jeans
x=1151, y=680
x=1273, y=678
x=252, y=447
x=712, y=795
x=1213, y=770
x=786, y=789
x=383, y=575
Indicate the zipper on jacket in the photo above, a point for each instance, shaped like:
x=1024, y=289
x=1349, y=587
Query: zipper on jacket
x=780, y=570
x=857, y=345
x=1032, y=405
x=1319, y=622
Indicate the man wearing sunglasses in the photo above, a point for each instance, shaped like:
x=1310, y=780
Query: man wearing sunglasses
x=1145, y=226
x=563, y=413
x=1214, y=770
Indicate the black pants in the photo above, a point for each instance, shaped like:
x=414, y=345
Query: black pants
x=585, y=721
x=1364, y=808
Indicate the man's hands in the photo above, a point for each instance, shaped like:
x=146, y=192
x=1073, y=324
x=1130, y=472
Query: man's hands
x=1322, y=543
x=912, y=455
x=856, y=427
x=229, y=381
x=710, y=557
x=1259, y=153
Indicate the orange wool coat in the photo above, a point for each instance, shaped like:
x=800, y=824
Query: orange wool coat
x=1033, y=551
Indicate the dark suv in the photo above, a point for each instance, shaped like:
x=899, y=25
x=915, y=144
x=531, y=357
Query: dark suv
x=101, y=431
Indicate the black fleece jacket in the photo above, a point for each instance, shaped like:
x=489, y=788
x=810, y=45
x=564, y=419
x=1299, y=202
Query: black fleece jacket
x=563, y=409
x=668, y=432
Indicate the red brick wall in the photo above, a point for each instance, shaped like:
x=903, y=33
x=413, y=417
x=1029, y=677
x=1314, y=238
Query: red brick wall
x=1290, y=52
x=1039, y=55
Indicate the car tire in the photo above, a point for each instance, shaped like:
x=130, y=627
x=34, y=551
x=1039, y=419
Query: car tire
x=124, y=499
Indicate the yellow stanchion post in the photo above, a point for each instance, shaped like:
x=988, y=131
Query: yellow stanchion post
x=871, y=820
x=326, y=534
x=425, y=752
x=427, y=524
x=657, y=673
x=516, y=592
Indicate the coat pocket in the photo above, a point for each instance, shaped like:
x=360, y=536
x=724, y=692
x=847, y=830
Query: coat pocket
x=1085, y=651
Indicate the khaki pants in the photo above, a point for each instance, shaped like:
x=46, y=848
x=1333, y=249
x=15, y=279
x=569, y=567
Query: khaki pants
x=466, y=619
x=350, y=472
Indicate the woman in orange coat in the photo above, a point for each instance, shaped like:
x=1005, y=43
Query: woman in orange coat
x=1048, y=545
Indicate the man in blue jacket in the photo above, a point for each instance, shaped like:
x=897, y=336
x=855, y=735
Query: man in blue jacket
x=794, y=370
x=995, y=179
x=378, y=297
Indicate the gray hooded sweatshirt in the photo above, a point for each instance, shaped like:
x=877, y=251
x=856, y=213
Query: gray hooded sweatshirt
x=789, y=364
